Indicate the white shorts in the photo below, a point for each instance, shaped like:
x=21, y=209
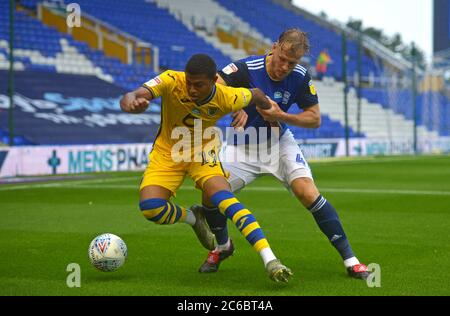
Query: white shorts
x=288, y=164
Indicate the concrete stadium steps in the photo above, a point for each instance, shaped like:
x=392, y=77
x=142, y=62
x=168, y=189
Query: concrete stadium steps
x=376, y=121
x=226, y=48
x=270, y=19
x=201, y=16
x=68, y=61
x=175, y=41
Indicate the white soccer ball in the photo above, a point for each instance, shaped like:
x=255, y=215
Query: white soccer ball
x=107, y=252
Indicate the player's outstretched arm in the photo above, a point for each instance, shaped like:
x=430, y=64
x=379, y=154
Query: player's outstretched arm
x=259, y=98
x=136, y=101
x=309, y=118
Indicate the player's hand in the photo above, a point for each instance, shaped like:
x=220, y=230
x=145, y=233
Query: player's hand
x=138, y=105
x=239, y=119
x=273, y=114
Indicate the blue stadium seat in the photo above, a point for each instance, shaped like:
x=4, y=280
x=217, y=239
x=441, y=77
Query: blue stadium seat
x=177, y=44
x=430, y=106
x=271, y=19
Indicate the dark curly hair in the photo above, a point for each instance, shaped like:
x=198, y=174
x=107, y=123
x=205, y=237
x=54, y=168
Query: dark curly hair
x=201, y=64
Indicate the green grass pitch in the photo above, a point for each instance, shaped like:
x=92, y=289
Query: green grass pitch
x=395, y=210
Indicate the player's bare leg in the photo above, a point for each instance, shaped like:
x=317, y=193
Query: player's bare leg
x=305, y=190
x=154, y=192
x=329, y=223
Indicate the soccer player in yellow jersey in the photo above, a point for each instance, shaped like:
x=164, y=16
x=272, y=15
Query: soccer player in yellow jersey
x=187, y=97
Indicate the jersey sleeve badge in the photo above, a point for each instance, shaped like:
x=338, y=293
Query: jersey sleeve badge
x=312, y=88
x=229, y=69
x=212, y=111
x=153, y=82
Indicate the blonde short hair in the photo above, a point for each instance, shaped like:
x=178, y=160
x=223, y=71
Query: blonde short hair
x=296, y=39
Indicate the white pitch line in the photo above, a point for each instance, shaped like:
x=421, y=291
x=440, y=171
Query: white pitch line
x=258, y=189
x=383, y=191
x=30, y=186
x=371, y=160
x=65, y=183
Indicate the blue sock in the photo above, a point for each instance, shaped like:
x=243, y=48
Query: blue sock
x=329, y=223
x=218, y=224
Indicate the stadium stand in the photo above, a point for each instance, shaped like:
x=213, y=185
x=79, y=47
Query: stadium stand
x=270, y=19
x=42, y=48
x=155, y=25
x=43, y=51
x=377, y=122
x=432, y=107
x=204, y=16
x=58, y=109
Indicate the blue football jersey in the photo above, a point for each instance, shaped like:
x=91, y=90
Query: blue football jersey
x=251, y=72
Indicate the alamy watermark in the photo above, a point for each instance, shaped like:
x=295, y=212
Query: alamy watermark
x=74, y=277
x=74, y=15
x=73, y=280
x=203, y=145
x=374, y=279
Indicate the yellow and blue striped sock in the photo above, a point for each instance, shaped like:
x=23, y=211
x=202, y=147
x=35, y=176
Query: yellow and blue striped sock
x=162, y=212
x=242, y=218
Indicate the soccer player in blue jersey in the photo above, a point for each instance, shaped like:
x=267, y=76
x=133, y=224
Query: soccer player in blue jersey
x=283, y=79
